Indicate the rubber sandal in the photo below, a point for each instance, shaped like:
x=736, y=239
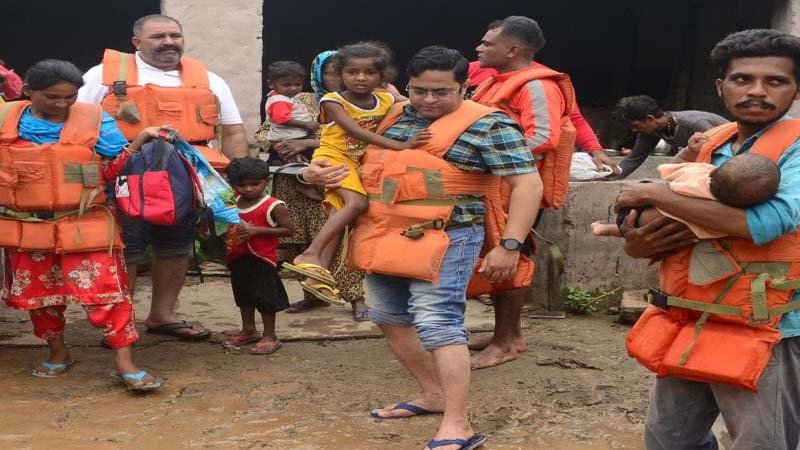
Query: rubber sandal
x=316, y=290
x=305, y=305
x=238, y=340
x=133, y=381
x=313, y=271
x=414, y=409
x=169, y=329
x=469, y=444
x=57, y=369
x=265, y=349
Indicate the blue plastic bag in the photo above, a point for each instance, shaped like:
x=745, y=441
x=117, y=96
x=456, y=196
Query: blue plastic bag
x=215, y=189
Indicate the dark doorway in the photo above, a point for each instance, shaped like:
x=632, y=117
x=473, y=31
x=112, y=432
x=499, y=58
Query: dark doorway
x=610, y=48
x=77, y=31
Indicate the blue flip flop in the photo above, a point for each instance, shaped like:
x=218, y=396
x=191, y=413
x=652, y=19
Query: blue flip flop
x=416, y=410
x=58, y=369
x=134, y=381
x=469, y=444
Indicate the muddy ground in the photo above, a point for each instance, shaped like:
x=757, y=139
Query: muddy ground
x=315, y=395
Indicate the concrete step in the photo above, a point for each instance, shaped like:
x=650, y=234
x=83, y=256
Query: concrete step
x=632, y=306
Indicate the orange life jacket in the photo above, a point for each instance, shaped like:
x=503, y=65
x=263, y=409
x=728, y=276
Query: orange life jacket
x=51, y=195
x=725, y=296
x=553, y=165
x=191, y=108
x=412, y=194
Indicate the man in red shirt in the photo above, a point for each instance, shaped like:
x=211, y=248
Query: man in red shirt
x=539, y=106
x=585, y=138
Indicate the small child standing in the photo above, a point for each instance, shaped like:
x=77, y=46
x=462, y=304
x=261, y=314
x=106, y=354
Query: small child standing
x=350, y=119
x=252, y=254
x=288, y=117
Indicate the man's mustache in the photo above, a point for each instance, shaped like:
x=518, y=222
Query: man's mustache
x=167, y=48
x=759, y=103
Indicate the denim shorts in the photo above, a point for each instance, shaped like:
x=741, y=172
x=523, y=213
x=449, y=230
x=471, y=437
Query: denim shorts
x=173, y=241
x=435, y=309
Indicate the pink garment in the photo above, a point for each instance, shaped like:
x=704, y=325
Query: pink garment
x=691, y=180
x=585, y=139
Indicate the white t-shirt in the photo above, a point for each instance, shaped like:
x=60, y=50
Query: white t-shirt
x=93, y=91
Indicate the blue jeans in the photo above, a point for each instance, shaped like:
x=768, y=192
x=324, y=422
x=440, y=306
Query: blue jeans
x=435, y=309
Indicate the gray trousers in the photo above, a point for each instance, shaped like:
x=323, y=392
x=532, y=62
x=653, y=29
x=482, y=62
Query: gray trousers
x=682, y=412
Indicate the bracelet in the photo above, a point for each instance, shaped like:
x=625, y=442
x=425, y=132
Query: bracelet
x=300, y=177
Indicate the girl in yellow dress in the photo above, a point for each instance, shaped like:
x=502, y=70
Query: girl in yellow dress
x=349, y=120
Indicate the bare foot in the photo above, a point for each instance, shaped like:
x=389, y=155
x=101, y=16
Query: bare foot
x=484, y=341
x=434, y=405
x=493, y=356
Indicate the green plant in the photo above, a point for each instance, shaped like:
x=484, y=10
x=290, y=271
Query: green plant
x=580, y=300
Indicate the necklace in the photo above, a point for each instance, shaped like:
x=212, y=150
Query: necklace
x=672, y=126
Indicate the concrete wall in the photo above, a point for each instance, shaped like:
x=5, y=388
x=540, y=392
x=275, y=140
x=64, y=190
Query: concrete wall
x=590, y=262
x=786, y=17
x=226, y=36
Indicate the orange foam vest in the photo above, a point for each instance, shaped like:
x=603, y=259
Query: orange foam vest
x=721, y=329
x=191, y=108
x=51, y=195
x=553, y=165
x=412, y=194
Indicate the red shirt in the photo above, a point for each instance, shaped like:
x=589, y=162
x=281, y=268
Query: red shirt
x=585, y=138
x=264, y=247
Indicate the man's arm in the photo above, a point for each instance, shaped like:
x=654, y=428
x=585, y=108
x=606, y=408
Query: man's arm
x=540, y=105
x=644, y=145
x=526, y=196
x=234, y=141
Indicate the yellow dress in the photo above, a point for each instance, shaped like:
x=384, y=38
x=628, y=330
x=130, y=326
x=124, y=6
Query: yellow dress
x=338, y=147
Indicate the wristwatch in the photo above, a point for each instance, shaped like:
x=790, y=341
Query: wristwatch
x=510, y=244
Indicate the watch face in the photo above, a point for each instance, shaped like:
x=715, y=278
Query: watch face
x=510, y=244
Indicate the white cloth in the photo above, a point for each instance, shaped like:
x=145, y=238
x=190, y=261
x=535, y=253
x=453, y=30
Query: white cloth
x=93, y=91
x=285, y=132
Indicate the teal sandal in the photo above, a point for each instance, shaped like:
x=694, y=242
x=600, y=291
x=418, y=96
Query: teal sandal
x=135, y=381
x=53, y=370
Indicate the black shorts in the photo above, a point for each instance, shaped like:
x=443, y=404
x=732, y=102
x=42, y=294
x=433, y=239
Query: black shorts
x=173, y=241
x=256, y=284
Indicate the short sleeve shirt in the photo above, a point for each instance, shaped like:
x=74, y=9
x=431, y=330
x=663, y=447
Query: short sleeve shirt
x=493, y=144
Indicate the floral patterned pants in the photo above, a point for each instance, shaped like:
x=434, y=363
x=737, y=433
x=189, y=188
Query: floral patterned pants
x=116, y=320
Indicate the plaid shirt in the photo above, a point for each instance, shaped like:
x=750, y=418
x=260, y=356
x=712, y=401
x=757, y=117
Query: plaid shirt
x=493, y=145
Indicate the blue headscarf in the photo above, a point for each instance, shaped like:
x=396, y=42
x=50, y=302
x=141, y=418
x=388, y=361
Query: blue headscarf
x=39, y=131
x=317, y=69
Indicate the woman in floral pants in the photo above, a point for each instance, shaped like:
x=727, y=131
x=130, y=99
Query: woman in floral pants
x=43, y=282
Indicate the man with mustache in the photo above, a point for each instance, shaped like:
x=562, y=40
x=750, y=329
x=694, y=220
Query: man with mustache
x=651, y=124
x=739, y=357
x=159, y=86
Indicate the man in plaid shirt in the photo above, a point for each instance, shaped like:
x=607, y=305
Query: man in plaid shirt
x=424, y=321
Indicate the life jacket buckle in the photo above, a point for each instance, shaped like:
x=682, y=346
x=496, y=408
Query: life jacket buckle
x=119, y=88
x=657, y=297
x=755, y=321
x=416, y=231
x=413, y=232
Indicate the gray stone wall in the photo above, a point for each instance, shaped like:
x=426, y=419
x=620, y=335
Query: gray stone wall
x=786, y=17
x=226, y=36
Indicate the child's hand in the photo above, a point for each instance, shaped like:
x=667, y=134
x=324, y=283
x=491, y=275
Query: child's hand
x=420, y=138
x=696, y=142
x=149, y=133
x=244, y=232
x=311, y=126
